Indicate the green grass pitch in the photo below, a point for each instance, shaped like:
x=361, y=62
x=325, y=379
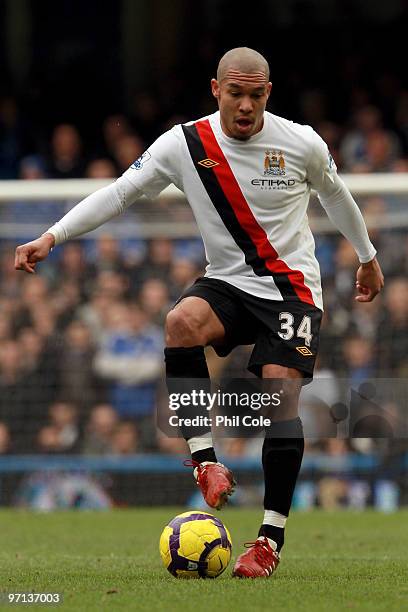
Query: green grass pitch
x=110, y=561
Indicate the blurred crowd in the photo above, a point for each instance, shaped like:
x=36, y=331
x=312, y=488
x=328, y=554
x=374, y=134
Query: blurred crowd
x=81, y=346
x=369, y=142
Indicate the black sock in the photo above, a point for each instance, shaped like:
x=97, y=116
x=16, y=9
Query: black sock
x=186, y=370
x=186, y=362
x=277, y=534
x=282, y=455
x=207, y=454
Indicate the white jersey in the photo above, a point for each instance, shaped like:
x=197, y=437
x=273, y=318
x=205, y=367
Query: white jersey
x=250, y=202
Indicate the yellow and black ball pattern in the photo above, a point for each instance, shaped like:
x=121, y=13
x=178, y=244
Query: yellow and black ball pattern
x=195, y=544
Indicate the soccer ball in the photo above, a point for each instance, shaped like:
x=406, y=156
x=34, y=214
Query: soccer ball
x=195, y=544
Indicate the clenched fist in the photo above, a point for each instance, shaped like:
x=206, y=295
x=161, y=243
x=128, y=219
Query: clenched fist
x=28, y=254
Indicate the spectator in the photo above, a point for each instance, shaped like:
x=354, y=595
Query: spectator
x=381, y=153
x=95, y=312
x=359, y=358
x=34, y=297
x=99, y=430
x=366, y=321
x=21, y=400
x=127, y=150
x=125, y=439
x=154, y=300
x=352, y=150
x=44, y=321
x=61, y=434
x=101, y=168
x=156, y=264
x=72, y=264
x=112, y=284
x=114, y=128
x=32, y=168
x=183, y=273
x=65, y=301
x=108, y=257
x=66, y=159
x=77, y=381
x=146, y=113
x=362, y=148
x=42, y=360
x=130, y=360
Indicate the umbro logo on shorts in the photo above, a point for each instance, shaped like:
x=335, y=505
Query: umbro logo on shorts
x=303, y=350
x=208, y=163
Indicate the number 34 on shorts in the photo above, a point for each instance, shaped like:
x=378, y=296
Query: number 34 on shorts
x=300, y=330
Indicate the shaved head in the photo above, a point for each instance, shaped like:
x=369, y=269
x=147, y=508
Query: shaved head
x=243, y=60
x=242, y=89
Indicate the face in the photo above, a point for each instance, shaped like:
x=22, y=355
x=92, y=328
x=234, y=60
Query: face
x=242, y=100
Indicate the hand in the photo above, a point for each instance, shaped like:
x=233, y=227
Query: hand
x=370, y=281
x=28, y=254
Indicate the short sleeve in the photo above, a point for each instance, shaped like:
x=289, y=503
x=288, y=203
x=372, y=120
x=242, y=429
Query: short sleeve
x=158, y=166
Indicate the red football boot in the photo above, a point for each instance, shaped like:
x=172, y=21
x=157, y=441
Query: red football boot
x=259, y=561
x=215, y=481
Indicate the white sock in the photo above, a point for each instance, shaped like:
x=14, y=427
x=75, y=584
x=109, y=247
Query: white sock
x=200, y=442
x=274, y=518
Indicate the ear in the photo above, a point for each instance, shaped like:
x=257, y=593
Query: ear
x=269, y=89
x=215, y=88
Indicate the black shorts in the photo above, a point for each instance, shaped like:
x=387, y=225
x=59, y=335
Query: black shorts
x=284, y=333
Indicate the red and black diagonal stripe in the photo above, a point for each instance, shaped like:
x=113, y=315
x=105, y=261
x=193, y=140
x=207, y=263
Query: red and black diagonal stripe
x=230, y=203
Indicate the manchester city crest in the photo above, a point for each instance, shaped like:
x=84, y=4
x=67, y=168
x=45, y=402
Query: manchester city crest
x=274, y=163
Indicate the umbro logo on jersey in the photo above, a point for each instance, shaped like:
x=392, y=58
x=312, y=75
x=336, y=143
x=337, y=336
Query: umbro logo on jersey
x=208, y=163
x=303, y=350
